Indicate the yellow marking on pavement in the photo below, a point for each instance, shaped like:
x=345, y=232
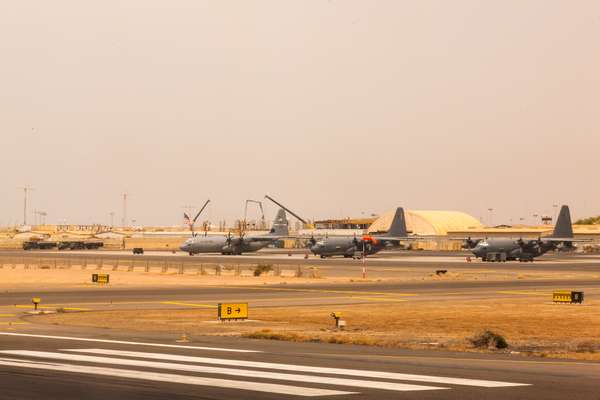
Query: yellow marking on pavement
x=54, y=306
x=523, y=292
x=452, y=293
x=14, y=323
x=103, y=303
x=388, y=299
x=351, y=292
x=7, y=315
x=279, y=299
x=180, y=303
x=28, y=306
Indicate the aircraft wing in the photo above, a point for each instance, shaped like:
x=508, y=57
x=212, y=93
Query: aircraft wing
x=400, y=238
x=262, y=238
x=565, y=239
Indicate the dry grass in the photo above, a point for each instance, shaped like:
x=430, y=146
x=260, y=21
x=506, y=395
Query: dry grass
x=529, y=325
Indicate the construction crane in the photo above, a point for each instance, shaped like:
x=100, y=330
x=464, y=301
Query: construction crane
x=262, y=218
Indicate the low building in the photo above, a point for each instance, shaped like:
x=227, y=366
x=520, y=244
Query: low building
x=428, y=222
x=346, y=223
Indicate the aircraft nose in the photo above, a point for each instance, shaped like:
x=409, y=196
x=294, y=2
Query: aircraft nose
x=184, y=247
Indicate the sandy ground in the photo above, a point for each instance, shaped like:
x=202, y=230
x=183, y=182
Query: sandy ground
x=530, y=325
x=40, y=279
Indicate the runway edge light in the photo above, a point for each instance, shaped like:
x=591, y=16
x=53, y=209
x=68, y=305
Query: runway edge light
x=36, y=301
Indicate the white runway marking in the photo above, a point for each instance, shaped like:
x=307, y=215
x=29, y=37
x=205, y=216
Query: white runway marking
x=172, y=378
x=226, y=371
x=174, y=346
x=304, y=368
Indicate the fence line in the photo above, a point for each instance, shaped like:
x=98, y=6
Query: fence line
x=95, y=263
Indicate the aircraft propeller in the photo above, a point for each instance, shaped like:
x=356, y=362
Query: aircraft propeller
x=470, y=243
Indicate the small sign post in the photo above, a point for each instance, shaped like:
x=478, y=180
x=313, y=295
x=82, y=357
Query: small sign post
x=232, y=311
x=101, y=278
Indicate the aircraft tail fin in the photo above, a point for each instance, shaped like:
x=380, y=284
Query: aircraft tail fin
x=563, y=227
x=398, y=226
x=280, y=224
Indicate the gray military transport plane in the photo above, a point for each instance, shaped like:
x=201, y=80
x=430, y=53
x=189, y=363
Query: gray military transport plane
x=235, y=245
x=508, y=249
x=348, y=246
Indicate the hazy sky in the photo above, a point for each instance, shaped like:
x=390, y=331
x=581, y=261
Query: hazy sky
x=334, y=107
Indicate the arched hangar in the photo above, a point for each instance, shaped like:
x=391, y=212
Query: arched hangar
x=428, y=222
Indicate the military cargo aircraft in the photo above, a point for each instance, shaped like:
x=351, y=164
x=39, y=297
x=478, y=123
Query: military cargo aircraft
x=508, y=249
x=348, y=246
x=236, y=245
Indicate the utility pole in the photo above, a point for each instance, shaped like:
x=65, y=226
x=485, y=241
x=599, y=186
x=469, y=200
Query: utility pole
x=124, y=221
x=364, y=261
x=26, y=189
x=39, y=217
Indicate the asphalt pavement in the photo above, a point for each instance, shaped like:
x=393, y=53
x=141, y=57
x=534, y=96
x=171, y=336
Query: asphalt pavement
x=386, y=259
x=101, y=367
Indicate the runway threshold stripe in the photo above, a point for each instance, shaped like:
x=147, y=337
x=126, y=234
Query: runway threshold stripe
x=173, y=378
x=303, y=368
x=172, y=346
x=225, y=371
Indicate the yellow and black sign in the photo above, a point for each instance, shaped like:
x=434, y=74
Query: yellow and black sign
x=229, y=311
x=36, y=301
x=567, y=296
x=100, y=278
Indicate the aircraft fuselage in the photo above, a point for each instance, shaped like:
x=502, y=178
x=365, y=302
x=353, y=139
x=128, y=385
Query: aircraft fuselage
x=513, y=250
x=347, y=246
x=220, y=244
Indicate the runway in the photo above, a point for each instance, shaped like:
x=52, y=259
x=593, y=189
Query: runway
x=47, y=367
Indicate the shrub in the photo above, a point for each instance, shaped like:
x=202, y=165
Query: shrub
x=489, y=339
x=262, y=269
